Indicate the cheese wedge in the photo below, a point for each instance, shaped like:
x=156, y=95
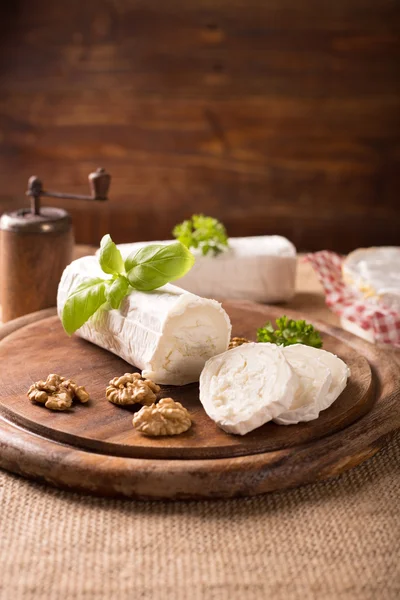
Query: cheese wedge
x=260, y=268
x=322, y=378
x=375, y=273
x=169, y=334
x=244, y=388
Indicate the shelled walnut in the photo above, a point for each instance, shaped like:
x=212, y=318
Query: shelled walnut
x=57, y=393
x=132, y=388
x=165, y=418
x=237, y=341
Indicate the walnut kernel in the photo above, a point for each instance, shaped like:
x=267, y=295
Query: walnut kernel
x=57, y=393
x=165, y=418
x=77, y=391
x=237, y=341
x=132, y=388
x=60, y=401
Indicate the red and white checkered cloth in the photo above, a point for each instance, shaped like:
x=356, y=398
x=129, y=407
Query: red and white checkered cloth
x=342, y=300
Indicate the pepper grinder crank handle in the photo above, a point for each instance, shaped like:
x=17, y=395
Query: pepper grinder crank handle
x=36, y=244
x=99, y=183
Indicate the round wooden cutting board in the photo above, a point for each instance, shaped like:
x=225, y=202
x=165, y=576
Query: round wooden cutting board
x=94, y=448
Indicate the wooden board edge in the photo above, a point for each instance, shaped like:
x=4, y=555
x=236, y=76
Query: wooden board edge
x=203, y=453
x=65, y=467
x=72, y=469
x=35, y=426
x=8, y=328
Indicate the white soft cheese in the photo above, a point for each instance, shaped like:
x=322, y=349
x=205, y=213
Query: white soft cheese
x=169, y=334
x=259, y=268
x=322, y=378
x=340, y=373
x=244, y=388
x=375, y=273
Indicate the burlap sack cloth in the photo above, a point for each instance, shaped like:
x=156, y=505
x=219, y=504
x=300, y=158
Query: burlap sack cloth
x=338, y=539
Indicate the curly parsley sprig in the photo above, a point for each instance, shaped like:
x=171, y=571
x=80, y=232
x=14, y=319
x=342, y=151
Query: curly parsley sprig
x=206, y=233
x=289, y=332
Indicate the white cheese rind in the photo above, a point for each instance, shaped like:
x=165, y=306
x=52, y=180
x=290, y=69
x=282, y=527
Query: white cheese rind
x=246, y=387
x=340, y=373
x=258, y=268
x=315, y=381
x=169, y=334
x=374, y=273
x=315, y=393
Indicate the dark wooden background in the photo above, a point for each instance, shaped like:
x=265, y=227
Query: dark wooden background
x=276, y=116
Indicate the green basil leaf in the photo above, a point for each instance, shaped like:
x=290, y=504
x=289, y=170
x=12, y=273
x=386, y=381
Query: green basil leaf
x=117, y=291
x=82, y=303
x=110, y=257
x=155, y=265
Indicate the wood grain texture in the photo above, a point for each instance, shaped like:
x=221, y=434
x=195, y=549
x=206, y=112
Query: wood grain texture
x=31, y=265
x=305, y=459
x=274, y=117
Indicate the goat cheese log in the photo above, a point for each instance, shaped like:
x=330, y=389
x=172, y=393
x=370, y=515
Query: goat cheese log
x=244, y=388
x=169, y=333
x=260, y=268
x=322, y=378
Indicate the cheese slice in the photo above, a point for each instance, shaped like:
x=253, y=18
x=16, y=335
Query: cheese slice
x=375, y=273
x=259, y=268
x=169, y=334
x=244, y=388
x=322, y=378
x=315, y=380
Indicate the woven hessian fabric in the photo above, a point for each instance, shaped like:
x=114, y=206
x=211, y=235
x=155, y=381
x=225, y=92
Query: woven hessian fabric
x=336, y=540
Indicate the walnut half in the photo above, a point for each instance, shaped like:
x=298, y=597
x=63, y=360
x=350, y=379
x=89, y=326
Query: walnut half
x=132, y=388
x=237, y=341
x=165, y=418
x=57, y=393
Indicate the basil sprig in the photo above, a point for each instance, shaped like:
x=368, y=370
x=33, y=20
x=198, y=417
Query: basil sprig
x=145, y=270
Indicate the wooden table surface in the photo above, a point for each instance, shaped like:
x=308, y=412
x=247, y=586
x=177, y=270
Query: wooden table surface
x=309, y=296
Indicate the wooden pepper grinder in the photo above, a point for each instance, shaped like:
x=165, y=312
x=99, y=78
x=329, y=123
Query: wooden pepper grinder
x=36, y=245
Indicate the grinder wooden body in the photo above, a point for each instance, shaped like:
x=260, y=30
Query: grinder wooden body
x=35, y=247
x=34, y=251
